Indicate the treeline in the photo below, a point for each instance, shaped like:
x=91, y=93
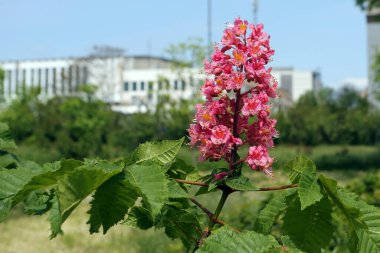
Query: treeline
x=79, y=127
x=330, y=117
x=83, y=126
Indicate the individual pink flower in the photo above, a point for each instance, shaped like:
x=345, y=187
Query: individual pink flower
x=220, y=134
x=258, y=158
x=251, y=106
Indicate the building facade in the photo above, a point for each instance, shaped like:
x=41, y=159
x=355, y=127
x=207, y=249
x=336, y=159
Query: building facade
x=129, y=84
x=373, y=33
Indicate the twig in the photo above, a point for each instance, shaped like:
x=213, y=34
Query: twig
x=190, y=182
x=263, y=189
x=276, y=188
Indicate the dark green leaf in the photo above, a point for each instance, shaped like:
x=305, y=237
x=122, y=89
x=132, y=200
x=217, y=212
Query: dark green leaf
x=110, y=203
x=310, y=229
x=139, y=217
x=269, y=214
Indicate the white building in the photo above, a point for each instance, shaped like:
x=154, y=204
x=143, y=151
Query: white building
x=130, y=84
x=373, y=33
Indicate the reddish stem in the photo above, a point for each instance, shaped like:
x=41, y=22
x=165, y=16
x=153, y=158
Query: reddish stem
x=190, y=182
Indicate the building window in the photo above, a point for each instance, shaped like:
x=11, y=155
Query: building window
x=9, y=82
x=175, y=85
x=32, y=77
x=183, y=85
x=150, y=86
x=134, y=86
x=39, y=79
x=126, y=86
x=63, y=80
x=46, y=81
x=70, y=81
x=54, y=81
x=142, y=86
x=23, y=85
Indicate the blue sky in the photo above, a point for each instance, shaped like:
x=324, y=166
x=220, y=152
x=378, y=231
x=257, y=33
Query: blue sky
x=316, y=34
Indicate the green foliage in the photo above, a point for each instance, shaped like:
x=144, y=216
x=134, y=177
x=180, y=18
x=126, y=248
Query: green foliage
x=296, y=167
x=6, y=138
x=310, y=229
x=152, y=185
x=309, y=190
x=142, y=192
x=226, y=240
x=241, y=184
x=161, y=152
x=368, y=4
x=272, y=210
x=329, y=117
x=110, y=203
x=363, y=218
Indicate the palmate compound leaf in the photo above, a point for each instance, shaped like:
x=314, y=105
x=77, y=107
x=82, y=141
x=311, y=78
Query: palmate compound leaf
x=74, y=187
x=364, y=219
x=310, y=229
x=297, y=166
x=162, y=152
x=225, y=240
x=269, y=214
x=110, y=203
x=151, y=183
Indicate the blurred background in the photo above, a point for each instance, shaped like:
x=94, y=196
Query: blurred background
x=85, y=79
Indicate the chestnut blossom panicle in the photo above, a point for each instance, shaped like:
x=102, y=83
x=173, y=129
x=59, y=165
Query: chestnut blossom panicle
x=237, y=106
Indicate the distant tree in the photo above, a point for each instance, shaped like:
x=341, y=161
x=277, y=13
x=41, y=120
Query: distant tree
x=368, y=4
x=187, y=54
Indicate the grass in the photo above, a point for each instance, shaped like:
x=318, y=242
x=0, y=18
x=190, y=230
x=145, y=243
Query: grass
x=30, y=234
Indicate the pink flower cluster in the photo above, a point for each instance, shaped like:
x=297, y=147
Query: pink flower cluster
x=237, y=108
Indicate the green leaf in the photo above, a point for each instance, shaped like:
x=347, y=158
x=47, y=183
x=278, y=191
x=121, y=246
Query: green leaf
x=297, y=166
x=241, y=184
x=310, y=229
x=53, y=172
x=176, y=191
x=224, y=240
x=55, y=218
x=80, y=183
x=151, y=183
x=309, y=190
x=12, y=181
x=183, y=224
x=179, y=169
x=6, y=139
x=269, y=214
x=110, y=203
x=160, y=152
x=5, y=207
x=37, y=203
x=363, y=219
x=139, y=217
